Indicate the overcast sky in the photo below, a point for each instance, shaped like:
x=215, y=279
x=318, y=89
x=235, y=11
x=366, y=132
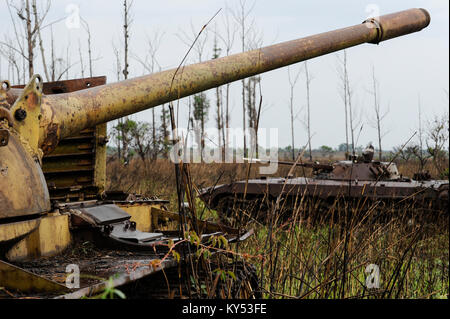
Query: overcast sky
x=405, y=67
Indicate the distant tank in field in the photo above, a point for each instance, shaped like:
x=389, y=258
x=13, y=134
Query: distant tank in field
x=359, y=178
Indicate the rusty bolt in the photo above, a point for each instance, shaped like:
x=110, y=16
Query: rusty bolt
x=102, y=140
x=20, y=114
x=4, y=137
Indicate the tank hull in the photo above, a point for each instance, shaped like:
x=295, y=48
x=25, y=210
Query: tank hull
x=259, y=195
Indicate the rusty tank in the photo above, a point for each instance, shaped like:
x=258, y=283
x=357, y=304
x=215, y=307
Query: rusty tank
x=359, y=179
x=52, y=173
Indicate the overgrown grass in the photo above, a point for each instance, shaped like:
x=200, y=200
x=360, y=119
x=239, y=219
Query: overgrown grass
x=321, y=254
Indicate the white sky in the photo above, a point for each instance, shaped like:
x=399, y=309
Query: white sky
x=405, y=67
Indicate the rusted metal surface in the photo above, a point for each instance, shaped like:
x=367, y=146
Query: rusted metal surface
x=66, y=114
x=4, y=137
x=5, y=114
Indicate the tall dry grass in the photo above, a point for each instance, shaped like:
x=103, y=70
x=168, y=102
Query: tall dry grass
x=311, y=253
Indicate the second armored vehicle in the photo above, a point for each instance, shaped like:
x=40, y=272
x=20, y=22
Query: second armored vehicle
x=360, y=179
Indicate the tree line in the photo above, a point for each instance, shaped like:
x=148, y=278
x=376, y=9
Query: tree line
x=238, y=28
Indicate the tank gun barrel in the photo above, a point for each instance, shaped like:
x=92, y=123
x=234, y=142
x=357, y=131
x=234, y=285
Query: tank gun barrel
x=66, y=114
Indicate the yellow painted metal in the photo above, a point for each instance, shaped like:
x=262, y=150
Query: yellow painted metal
x=30, y=103
x=51, y=237
x=100, y=158
x=23, y=190
x=142, y=215
x=15, y=278
x=203, y=226
x=15, y=230
x=66, y=114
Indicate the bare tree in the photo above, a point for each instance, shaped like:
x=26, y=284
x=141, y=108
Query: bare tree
x=292, y=83
x=141, y=141
x=418, y=150
x=149, y=65
x=308, y=80
x=189, y=38
x=165, y=137
x=343, y=74
x=58, y=66
x=379, y=115
x=254, y=41
x=118, y=68
x=53, y=58
x=41, y=45
x=89, y=39
x=201, y=103
x=219, y=110
x=227, y=38
x=240, y=15
x=31, y=22
x=127, y=21
x=354, y=119
x=14, y=68
x=199, y=118
x=81, y=59
x=438, y=134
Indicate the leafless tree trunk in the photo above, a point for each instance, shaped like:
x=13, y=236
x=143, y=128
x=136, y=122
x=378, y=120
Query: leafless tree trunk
x=438, y=135
x=200, y=102
x=219, y=108
x=14, y=69
x=81, y=59
x=350, y=114
x=165, y=120
x=422, y=164
x=127, y=21
x=126, y=34
x=67, y=61
x=118, y=68
x=31, y=21
x=308, y=110
x=240, y=15
x=379, y=116
x=254, y=41
x=292, y=83
x=53, y=59
x=89, y=39
x=227, y=39
x=30, y=38
x=153, y=47
x=41, y=45
x=353, y=119
x=344, y=78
